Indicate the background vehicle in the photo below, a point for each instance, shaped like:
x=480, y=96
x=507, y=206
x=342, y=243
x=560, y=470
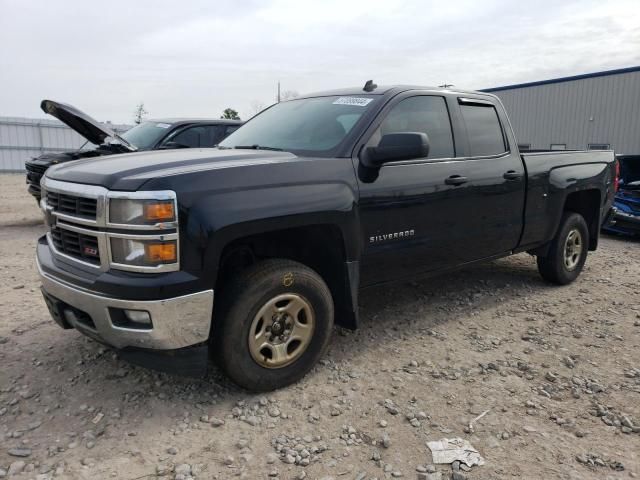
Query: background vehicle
x=626, y=216
x=156, y=134
x=309, y=202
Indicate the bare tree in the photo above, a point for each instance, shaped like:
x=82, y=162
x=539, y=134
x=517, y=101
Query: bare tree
x=256, y=107
x=288, y=95
x=139, y=113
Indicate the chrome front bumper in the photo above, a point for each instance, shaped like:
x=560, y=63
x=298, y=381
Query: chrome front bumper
x=177, y=322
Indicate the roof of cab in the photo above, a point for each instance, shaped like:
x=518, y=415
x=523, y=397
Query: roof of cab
x=389, y=90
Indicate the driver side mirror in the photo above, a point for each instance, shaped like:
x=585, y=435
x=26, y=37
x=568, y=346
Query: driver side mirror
x=395, y=147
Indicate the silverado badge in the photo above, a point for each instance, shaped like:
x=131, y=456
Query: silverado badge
x=391, y=236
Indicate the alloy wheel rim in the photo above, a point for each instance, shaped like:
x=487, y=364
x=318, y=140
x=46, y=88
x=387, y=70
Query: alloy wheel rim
x=572, y=249
x=281, y=331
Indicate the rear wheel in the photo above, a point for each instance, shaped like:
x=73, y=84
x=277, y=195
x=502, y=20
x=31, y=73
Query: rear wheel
x=568, y=251
x=272, y=324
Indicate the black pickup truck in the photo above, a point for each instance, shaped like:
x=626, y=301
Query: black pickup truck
x=293, y=214
x=157, y=134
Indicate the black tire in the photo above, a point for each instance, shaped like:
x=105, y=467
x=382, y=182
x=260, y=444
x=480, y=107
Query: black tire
x=240, y=302
x=553, y=267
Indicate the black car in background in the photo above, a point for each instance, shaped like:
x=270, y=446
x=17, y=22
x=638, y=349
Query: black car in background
x=159, y=134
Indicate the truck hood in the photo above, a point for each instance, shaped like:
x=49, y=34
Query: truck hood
x=82, y=123
x=130, y=171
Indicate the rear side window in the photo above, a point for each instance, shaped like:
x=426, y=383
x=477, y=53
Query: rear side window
x=216, y=133
x=193, y=137
x=483, y=129
x=427, y=114
x=231, y=129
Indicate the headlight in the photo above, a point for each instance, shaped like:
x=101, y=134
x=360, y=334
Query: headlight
x=151, y=217
x=143, y=253
x=141, y=212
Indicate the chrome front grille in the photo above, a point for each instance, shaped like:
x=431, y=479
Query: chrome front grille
x=72, y=204
x=34, y=174
x=75, y=244
x=39, y=169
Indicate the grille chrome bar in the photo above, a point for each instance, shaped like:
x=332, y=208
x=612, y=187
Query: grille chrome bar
x=72, y=205
x=68, y=191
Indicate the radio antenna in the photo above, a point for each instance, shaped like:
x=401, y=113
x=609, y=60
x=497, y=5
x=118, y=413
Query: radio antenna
x=369, y=86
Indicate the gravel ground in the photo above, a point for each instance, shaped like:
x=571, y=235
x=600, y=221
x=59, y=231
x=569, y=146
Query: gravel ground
x=556, y=369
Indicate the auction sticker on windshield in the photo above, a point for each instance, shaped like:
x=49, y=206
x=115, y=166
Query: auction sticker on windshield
x=355, y=101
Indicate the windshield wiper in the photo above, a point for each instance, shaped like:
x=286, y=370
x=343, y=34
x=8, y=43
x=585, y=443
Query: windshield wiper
x=257, y=147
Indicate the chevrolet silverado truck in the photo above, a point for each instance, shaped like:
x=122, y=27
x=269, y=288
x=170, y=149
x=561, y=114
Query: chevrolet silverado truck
x=158, y=134
x=296, y=212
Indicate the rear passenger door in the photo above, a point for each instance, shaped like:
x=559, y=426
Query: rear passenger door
x=495, y=177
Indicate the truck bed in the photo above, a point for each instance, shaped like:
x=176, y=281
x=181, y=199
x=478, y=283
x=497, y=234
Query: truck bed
x=550, y=174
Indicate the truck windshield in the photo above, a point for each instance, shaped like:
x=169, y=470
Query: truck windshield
x=146, y=135
x=310, y=125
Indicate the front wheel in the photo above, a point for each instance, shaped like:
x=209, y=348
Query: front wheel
x=567, y=252
x=273, y=324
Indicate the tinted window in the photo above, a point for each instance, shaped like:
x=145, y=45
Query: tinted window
x=483, y=129
x=420, y=114
x=193, y=137
x=231, y=129
x=215, y=134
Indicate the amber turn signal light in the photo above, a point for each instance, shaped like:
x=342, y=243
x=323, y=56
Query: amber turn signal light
x=160, y=252
x=159, y=212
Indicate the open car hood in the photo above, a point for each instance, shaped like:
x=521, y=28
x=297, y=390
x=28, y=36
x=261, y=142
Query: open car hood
x=82, y=123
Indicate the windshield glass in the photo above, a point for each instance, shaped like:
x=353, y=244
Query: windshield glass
x=146, y=135
x=310, y=125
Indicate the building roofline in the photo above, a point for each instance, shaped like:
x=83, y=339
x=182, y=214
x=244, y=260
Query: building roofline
x=584, y=76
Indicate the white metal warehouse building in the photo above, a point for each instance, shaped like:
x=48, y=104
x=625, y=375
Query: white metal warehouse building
x=594, y=111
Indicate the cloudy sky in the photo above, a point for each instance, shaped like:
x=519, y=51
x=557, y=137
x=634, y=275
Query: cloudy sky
x=197, y=57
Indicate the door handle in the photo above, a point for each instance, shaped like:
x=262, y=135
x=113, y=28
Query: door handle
x=512, y=175
x=456, y=180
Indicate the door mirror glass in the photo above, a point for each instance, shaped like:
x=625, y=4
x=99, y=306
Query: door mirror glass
x=396, y=147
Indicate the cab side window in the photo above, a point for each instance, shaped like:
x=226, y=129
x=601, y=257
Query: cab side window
x=426, y=114
x=216, y=134
x=483, y=129
x=193, y=137
x=231, y=129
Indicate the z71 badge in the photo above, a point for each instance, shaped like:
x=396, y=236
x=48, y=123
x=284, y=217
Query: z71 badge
x=391, y=236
